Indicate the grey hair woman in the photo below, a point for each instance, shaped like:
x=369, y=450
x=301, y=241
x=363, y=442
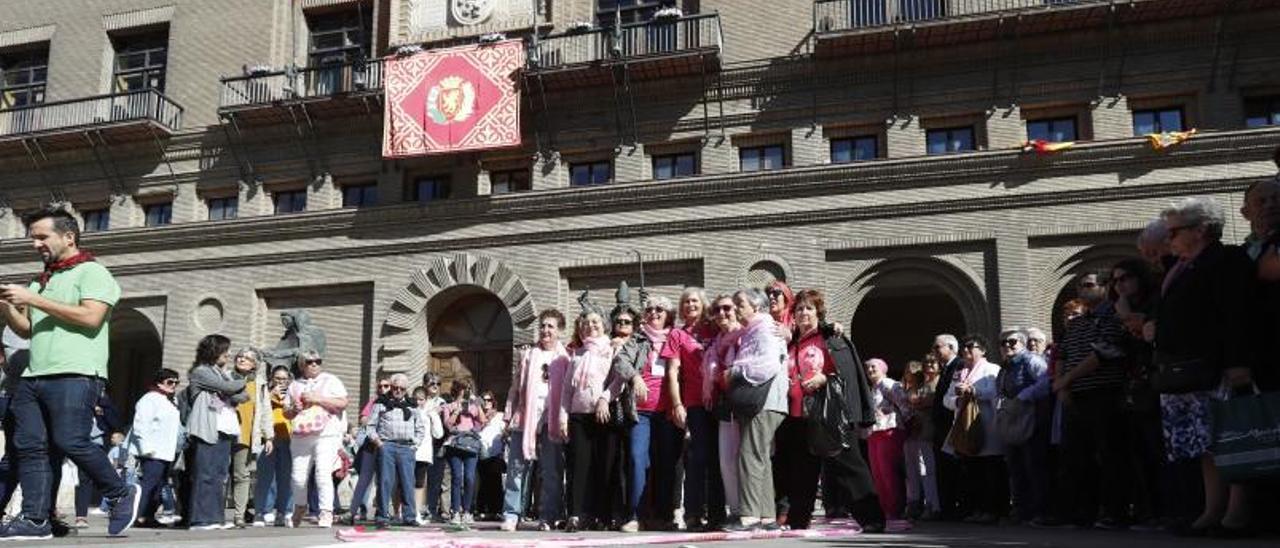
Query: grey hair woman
x=316, y=403
x=256, y=433
x=1203, y=325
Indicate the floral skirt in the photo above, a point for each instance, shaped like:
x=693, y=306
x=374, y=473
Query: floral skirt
x=1188, y=428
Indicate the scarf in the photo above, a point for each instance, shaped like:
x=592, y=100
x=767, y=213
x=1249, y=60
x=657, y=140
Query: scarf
x=531, y=372
x=760, y=352
x=65, y=264
x=594, y=350
x=403, y=404
x=657, y=340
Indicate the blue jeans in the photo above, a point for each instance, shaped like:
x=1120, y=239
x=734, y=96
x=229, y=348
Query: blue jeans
x=52, y=417
x=513, y=487
x=367, y=473
x=435, y=481
x=155, y=474
x=653, y=441
x=462, y=490
x=551, y=473
x=703, y=487
x=209, y=481
x=396, y=466
x=274, y=492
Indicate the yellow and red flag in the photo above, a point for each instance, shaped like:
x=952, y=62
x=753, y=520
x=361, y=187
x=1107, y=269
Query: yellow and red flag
x=1040, y=146
x=451, y=100
x=1161, y=141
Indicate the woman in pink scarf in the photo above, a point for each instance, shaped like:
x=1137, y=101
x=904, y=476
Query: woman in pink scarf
x=654, y=439
x=584, y=416
x=716, y=360
x=536, y=389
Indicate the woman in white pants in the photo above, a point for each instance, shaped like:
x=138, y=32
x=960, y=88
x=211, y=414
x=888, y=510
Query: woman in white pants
x=315, y=405
x=716, y=360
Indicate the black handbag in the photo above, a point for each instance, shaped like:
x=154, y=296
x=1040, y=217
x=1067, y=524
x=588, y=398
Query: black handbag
x=622, y=409
x=746, y=400
x=1184, y=376
x=467, y=442
x=827, y=426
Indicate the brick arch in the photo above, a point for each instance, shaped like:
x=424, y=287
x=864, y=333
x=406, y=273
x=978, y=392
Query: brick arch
x=1066, y=265
x=405, y=337
x=958, y=280
x=770, y=265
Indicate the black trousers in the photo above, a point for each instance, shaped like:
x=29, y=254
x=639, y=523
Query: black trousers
x=594, y=450
x=985, y=484
x=795, y=473
x=1095, y=448
x=851, y=487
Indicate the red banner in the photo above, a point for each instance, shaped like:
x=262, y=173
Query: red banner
x=451, y=100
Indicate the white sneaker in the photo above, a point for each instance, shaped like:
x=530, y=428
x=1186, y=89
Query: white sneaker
x=325, y=520
x=259, y=523
x=95, y=511
x=632, y=526
x=209, y=527
x=268, y=517
x=508, y=524
x=468, y=519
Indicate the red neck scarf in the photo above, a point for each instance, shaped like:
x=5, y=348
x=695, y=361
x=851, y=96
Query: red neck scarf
x=65, y=264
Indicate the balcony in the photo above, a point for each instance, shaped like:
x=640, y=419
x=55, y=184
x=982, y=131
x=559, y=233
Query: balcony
x=330, y=90
x=61, y=125
x=653, y=49
x=864, y=26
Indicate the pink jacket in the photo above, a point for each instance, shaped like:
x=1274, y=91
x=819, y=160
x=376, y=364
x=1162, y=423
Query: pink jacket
x=525, y=411
x=584, y=379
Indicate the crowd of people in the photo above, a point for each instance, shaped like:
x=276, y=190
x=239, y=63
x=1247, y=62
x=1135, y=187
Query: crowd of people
x=731, y=412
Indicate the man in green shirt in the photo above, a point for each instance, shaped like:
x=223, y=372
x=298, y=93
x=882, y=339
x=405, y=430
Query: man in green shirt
x=65, y=312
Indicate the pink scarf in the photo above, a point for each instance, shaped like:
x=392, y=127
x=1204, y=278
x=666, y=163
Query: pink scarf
x=597, y=353
x=657, y=340
x=530, y=374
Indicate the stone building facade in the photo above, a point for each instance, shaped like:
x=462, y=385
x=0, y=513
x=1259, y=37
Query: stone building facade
x=226, y=156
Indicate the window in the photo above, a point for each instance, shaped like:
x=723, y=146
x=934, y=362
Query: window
x=430, y=189
x=629, y=11
x=1262, y=111
x=96, y=220
x=943, y=141
x=854, y=149
x=506, y=182
x=158, y=214
x=221, y=209
x=360, y=195
x=761, y=158
x=590, y=173
x=290, y=201
x=22, y=77
x=338, y=38
x=1054, y=130
x=140, y=61
x=670, y=166
x=1157, y=120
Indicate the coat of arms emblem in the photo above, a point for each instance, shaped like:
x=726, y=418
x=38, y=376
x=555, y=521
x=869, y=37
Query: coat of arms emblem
x=471, y=12
x=451, y=100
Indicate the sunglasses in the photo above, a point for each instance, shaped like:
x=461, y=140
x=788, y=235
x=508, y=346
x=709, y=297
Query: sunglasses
x=1011, y=342
x=169, y=382
x=773, y=292
x=622, y=321
x=972, y=346
x=723, y=309
x=313, y=362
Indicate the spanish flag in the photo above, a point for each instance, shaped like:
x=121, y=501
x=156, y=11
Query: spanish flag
x=1043, y=147
x=1162, y=141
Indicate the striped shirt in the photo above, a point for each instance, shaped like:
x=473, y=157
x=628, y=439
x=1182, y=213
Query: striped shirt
x=1097, y=331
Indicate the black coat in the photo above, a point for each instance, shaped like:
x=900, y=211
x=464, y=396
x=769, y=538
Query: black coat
x=1208, y=310
x=857, y=387
x=943, y=417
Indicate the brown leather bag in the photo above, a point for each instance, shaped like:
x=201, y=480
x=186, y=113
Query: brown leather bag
x=966, y=434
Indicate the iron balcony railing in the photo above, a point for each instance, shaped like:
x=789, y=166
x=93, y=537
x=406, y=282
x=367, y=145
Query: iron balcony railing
x=267, y=87
x=650, y=38
x=842, y=15
x=131, y=106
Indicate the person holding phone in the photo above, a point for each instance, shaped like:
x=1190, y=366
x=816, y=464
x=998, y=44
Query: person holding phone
x=272, y=497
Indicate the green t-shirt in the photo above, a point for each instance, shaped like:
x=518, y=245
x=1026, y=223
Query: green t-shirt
x=60, y=349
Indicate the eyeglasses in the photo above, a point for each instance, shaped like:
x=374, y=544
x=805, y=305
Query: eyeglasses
x=1011, y=342
x=169, y=382
x=313, y=362
x=433, y=384
x=972, y=345
x=773, y=292
x=399, y=388
x=623, y=321
x=723, y=309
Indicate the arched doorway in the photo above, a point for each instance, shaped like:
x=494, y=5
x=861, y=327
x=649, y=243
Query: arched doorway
x=899, y=317
x=899, y=305
x=471, y=337
x=136, y=354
